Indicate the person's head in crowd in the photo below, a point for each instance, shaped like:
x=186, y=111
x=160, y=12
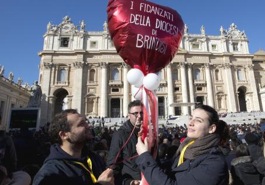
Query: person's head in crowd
x=251, y=138
x=242, y=150
x=135, y=111
x=69, y=126
x=204, y=121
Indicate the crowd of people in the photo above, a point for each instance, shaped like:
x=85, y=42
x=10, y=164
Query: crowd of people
x=70, y=150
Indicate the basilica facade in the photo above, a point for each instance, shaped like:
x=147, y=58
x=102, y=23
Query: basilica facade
x=81, y=69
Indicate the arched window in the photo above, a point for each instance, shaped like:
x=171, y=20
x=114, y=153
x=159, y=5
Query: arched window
x=197, y=74
x=240, y=75
x=62, y=75
x=92, y=73
x=115, y=74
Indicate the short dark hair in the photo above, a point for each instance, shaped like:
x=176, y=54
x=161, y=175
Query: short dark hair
x=134, y=104
x=60, y=123
x=242, y=150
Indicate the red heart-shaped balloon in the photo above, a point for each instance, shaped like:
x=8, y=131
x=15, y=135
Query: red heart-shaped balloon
x=146, y=35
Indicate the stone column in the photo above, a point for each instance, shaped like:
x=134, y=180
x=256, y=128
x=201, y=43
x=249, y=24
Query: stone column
x=170, y=92
x=262, y=97
x=46, y=82
x=77, y=91
x=230, y=89
x=210, y=92
x=103, y=93
x=184, y=109
x=252, y=82
x=191, y=85
x=125, y=91
x=50, y=115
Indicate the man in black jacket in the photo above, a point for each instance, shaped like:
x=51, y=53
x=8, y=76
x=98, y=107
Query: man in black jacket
x=9, y=174
x=122, y=153
x=67, y=164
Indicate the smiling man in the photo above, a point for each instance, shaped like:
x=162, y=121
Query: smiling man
x=67, y=164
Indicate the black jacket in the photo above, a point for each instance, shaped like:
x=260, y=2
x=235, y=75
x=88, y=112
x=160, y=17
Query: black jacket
x=206, y=169
x=123, y=163
x=8, y=155
x=61, y=168
x=244, y=172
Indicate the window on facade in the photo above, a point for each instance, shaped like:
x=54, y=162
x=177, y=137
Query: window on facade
x=176, y=89
x=219, y=102
x=92, y=75
x=199, y=88
x=62, y=75
x=197, y=74
x=195, y=46
x=175, y=75
x=217, y=75
x=240, y=75
x=235, y=46
x=2, y=104
x=114, y=90
x=64, y=42
x=115, y=74
x=214, y=47
x=93, y=44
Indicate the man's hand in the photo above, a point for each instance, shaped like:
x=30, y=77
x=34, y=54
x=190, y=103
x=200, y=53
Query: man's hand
x=106, y=177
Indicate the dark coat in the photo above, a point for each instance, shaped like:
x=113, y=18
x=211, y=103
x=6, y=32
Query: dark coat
x=8, y=155
x=61, y=168
x=125, y=168
x=260, y=165
x=207, y=169
x=244, y=172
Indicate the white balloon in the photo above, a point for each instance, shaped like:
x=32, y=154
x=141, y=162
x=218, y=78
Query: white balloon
x=137, y=93
x=135, y=77
x=151, y=81
x=159, y=74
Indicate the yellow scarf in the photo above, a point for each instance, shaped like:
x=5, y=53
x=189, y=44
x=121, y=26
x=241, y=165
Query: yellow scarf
x=181, y=157
x=89, y=162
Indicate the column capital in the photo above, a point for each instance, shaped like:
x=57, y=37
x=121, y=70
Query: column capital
x=103, y=64
x=182, y=64
x=124, y=65
x=189, y=64
x=208, y=65
x=78, y=65
x=169, y=65
x=250, y=66
x=47, y=65
x=227, y=65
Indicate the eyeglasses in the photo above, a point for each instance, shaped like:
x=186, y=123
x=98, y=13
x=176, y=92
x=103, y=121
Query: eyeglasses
x=136, y=113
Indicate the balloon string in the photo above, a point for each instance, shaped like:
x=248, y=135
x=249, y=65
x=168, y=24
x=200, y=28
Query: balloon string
x=138, y=91
x=126, y=142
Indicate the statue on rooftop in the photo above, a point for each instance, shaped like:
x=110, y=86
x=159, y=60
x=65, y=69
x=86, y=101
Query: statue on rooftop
x=11, y=76
x=2, y=70
x=82, y=25
x=36, y=94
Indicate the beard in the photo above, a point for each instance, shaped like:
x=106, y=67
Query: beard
x=77, y=140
